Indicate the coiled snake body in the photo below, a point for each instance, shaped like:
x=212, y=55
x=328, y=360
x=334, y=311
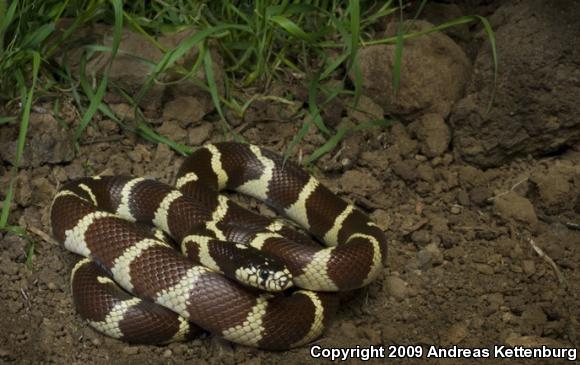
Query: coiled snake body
x=102, y=219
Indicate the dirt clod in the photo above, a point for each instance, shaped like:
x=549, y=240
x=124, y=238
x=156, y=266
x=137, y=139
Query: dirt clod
x=436, y=70
x=513, y=206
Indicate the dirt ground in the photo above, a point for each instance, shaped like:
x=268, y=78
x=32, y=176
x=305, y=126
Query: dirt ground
x=462, y=268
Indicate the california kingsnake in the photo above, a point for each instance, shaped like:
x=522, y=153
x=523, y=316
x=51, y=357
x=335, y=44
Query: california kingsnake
x=94, y=217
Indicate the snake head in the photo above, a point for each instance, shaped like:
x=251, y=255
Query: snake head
x=268, y=275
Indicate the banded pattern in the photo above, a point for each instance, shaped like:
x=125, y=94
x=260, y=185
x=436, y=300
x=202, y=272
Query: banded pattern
x=102, y=218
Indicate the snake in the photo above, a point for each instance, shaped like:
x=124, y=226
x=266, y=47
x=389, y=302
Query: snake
x=191, y=273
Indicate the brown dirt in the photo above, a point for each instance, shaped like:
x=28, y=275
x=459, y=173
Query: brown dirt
x=461, y=268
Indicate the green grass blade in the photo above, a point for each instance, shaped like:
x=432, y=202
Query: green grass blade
x=313, y=88
x=97, y=97
x=354, y=29
x=34, y=39
x=118, y=27
x=292, y=28
x=334, y=65
x=213, y=89
x=7, y=120
x=297, y=138
x=6, y=17
x=330, y=144
x=146, y=132
x=398, y=59
x=171, y=57
x=491, y=37
x=333, y=141
x=27, y=97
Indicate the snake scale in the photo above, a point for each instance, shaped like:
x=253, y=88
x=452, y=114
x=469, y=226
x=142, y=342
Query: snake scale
x=136, y=286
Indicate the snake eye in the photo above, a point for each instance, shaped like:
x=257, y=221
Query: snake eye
x=264, y=274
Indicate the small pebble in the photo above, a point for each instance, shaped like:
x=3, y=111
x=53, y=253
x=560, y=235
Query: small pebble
x=436, y=161
x=428, y=257
x=421, y=236
x=381, y=218
x=529, y=267
x=9, y=267
x=396, y=287
x=130, y=350
x=371, y=334
x=484, y=269
x=167, y=353
x=455, y=209
x=456, y=333
x=199, y=134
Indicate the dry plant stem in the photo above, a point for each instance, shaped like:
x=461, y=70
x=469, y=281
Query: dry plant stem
x=45, y=236
x=551, y=262
x=510, y=189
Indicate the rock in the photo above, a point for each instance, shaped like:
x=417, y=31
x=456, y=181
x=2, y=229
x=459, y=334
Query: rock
x=471, y=176
x=513, y=206
x=351, y=149
x=199, y=134
x=554, y=188
x=43, y=190
x=462, y=197
x=172, y=130
x=189, y=86
x=162, y=158
x=399, y=137
x=479, y=195
x=421, y=237
x=381, y=218
x=456, y=333
x=438, y=13
x=186, y=109
x=360, y=181
x=396, y=287
x=46, y=142
x=366, y=110
x=140, y=153
x=484, y=268
x=536, y=105
x=9, y=267
x=434, y=72
x=130, y=350
x=426, y=173
x=130, y=71
x=455, y=209
x=514, y=339
x=434, y=135
x=22, y=188
x=436, y=254
x=376, y=160
x=533, y=319
x=123, y=111
x=6, y=355
x=371, y=334
x=406, y=170
x=529, y=267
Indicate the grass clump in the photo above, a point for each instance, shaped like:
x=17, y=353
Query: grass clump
x=261, y=43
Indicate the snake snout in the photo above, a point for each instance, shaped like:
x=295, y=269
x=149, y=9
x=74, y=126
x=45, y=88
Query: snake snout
x=278, y=280
x=265, y=277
